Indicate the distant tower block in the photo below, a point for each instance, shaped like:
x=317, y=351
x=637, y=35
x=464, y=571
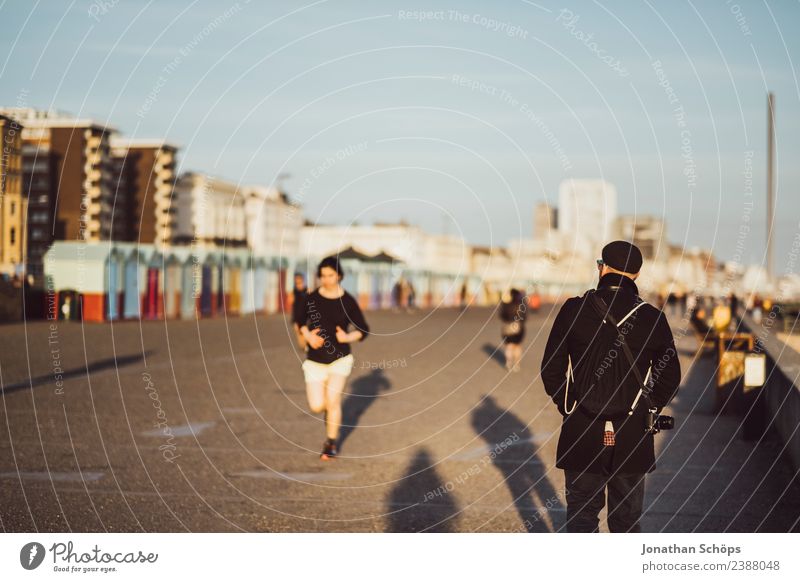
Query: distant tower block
x=649, y=233
x=544, y=221
x=587, y=211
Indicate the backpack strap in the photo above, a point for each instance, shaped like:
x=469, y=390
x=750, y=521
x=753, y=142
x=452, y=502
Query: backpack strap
x=566, y=387
x=631, y=312
x=600, y=306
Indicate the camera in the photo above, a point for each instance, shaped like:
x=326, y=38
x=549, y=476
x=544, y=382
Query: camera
x=655, y=422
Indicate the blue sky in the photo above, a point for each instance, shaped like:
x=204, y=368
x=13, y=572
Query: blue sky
x=459, y=121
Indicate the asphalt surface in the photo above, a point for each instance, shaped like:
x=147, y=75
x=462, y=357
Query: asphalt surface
x=441, y=437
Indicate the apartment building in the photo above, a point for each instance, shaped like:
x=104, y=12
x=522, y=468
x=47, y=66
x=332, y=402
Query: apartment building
x=67, y=178
x=13, y=204
x=144, y=181
x=209, y=212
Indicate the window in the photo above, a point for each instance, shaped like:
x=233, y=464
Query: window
x=13, y=235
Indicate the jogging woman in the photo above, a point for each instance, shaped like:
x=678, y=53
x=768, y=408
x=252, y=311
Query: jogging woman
x=513, y=312
x=324, y=323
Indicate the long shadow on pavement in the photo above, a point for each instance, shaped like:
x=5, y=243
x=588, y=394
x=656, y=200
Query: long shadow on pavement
x=495, y=352
x=420, y=501
x=363, y=393
x=523, y=471
x=107, y=364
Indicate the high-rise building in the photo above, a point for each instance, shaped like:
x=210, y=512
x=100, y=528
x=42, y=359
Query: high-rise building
x=209, y=212
x=13, y=212
x=67, y=177
x=144, y=179
x=544, y=221
x=649, y=233
x=587, y=210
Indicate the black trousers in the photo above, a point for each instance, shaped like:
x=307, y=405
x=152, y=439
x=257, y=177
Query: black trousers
x=586, y=496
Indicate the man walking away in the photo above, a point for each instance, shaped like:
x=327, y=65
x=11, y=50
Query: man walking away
x=606, y=441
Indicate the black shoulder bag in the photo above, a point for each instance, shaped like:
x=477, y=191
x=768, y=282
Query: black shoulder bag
x=604, y=312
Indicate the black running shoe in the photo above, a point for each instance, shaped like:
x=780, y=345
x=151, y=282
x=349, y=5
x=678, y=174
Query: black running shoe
x=329, y=450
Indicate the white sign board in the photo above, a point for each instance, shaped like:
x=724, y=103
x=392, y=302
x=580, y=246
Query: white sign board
x=755, y=370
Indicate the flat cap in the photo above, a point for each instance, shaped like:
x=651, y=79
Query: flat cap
x=623, y=256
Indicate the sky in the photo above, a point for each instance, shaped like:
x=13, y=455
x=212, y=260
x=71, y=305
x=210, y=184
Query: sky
x=455, y=116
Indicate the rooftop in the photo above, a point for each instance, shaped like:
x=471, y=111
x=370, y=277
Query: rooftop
x=143, y=143
x=30, y=117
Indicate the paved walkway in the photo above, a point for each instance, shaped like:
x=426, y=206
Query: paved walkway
x=709, y=478
x=443, y=439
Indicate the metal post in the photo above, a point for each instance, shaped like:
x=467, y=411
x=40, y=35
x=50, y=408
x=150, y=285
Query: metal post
x=770, y=178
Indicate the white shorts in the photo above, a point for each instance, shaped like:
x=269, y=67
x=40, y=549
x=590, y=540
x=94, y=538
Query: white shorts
x=316, y=372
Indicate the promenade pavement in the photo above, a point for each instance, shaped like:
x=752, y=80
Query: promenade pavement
x=440, y=438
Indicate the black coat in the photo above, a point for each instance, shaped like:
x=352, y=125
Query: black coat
x=650, y=340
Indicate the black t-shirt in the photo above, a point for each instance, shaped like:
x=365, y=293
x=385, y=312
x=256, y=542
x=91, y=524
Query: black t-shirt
x=513, y=311
x=325, y=314
x=298, y=304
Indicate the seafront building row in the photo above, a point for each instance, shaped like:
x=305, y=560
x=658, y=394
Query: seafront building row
x=110, y=226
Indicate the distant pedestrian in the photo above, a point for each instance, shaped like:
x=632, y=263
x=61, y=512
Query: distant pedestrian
x=683, y=299
x=325, y=318
x=299, y=294
x=463, y=296
x=412, y=296
x=733, y=303
x=691, y=303
x=672, y=301
x=397, y=291
x=758, y=309
x=610, y=399
x=513, y=312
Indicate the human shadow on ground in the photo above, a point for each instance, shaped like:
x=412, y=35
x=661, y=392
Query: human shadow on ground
x=420, y=501
x=364, y=391
x=512, y=450
x=92, y=367
x=495, y=353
